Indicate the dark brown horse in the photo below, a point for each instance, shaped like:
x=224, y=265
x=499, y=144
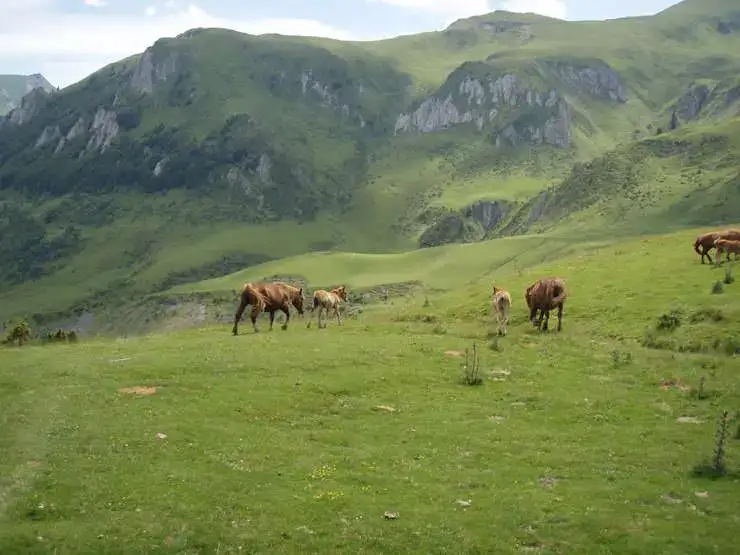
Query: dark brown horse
x=545, y=295
x=706, y=242
x=268, y=297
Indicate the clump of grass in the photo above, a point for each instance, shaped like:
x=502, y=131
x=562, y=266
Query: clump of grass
x=704, y=314
x=669, y=321
x=495, y=345
x=701, y=391
x=729, y=278
x=718, y=288
x=439, y=329
x=620, y=358
x=717, y=467
x=471, y=369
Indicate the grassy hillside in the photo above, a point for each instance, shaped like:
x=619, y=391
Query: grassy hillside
x=215, y=150
x=684, y=178
x=302, y=440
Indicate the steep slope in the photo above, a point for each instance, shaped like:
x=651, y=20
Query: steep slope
x=215, y=150
x=14, y=87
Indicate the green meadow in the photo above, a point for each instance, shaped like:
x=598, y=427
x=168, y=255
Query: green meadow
x=364, y=438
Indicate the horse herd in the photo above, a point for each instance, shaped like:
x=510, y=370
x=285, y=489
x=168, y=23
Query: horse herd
x=543, y=295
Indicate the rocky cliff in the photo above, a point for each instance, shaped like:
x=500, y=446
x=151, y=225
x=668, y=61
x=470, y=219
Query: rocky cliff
x=524, y=103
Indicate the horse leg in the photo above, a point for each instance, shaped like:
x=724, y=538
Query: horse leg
x=253, y=317
x=339, y=318
x=272, y=318
x=238, y=316
x=286, y=311
x=533, y=316
x=546, y=314
x=706, y=253
x=560, y=317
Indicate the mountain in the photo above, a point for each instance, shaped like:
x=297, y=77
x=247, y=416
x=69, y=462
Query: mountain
x=215, y=150
x=15, y=87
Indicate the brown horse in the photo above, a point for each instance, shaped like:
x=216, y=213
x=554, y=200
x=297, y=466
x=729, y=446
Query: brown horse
x=707, y=241
x=545, y=295
x=329, y=300
x=501, y=304
x=268, y=297
x=726, y=246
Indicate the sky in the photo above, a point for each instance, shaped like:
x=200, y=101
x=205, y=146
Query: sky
x=66, y=40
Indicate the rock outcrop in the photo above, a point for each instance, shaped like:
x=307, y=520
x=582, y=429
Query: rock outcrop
x=156, y=65
x=103, y=129
x=487, y=213
x=515, y=107
x=592, y=77
x=31, y=104
x=689, y=105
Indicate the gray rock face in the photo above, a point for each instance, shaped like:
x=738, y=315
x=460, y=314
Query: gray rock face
x=30, y=106
x=481, y=101
x=487, y=213
x=596, y=79
x=103, y=129
x=49, y=134
x=532, y=116
x=152, y=70
x=474, y=100
x=692, y=101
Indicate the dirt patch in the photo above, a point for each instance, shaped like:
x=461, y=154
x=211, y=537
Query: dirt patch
x=454, y=353
x=688, y=420
x=138, y=390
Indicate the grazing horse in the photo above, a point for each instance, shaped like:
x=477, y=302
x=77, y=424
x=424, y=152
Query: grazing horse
x=707, y=241
x=268, y=297
x=329, y=300
x=545, y=295
x=726, y=246
x=501, y=303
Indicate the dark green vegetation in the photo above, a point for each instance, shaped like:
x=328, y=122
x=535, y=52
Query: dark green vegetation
x=592, y=440
x=215, y=150
x=14, y=87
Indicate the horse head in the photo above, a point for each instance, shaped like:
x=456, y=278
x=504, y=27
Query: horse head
x=297, y=300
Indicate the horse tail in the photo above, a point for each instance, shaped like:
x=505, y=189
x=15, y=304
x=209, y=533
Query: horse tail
x=696, y=245
x=505, y=304
x=315, y=302
x=559, y=298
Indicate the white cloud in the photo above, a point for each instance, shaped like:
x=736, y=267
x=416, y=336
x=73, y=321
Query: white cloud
x=453, y=9
x=73, y=45
x=150, y=10
x=550, y=8
x=96, y=3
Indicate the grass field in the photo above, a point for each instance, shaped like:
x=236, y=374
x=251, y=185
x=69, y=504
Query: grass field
x=300, y=441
